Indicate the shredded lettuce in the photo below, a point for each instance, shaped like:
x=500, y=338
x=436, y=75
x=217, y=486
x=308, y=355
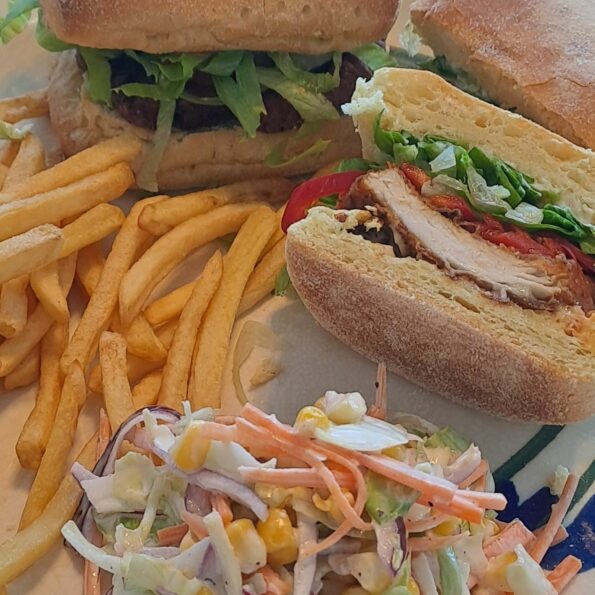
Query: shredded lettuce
x=311, y=106
x=10, y=132
x=276, y=158
x=374, y=56
x=47, y=40
x=224, y=63
x=526, y=576
x=17, y=18
x=99, y=74
x=282, y=282
x=314, y=82
x=449, y=438
x=387, y=500
x=451, y=579
x=243, y=95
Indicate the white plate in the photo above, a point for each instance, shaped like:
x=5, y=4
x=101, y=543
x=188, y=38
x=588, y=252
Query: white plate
x=313, y=362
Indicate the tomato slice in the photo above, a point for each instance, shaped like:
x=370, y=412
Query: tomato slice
x=306, y=195
x=516, y=239
x=417, y=176
x=449, y=202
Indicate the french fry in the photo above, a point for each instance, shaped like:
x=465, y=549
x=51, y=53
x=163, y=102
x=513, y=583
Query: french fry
x=141, y=339
x=9, y=152
x=213, y=342
x=89, y=265
x=86, y=164
x=29, y=251
x=262, y=280
x=101, y=306
x=3, y=174
x=23, y=107
x=13, y=351
x=29, y=545
x=53, y=463
x=29, y=161
x=45, y=282
x=26, y=373
x=146, y=390
x=137, y=368
x=116, y=389
x=13, y=306
x=171, y=249
x=176, y=373
x=36, y=430
x=91, y=227
x=161, y=218
x=278, y=235
x=78, y=197
x=170, y=305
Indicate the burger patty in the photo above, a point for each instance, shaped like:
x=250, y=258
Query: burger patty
x=280, y=116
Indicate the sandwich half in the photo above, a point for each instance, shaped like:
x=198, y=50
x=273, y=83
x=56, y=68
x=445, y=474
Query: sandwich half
x=463, y=255
x=218, y=91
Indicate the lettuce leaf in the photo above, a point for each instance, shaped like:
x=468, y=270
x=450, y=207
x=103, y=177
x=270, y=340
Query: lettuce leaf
x=17, y=18
x=374, y=56
x=224, y=63
x=243, y=95
x=10, y=132
x=282, y=282
x=311, y=106
x=449, y=438
x=451, y=579
x=276, y=158
x=99, y=76
x=315, y=82
x=387, y=500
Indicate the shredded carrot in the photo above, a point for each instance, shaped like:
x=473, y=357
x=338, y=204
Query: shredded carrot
x=172, y=535
x=426, y=544
x=91, y=574
x=435, y=488
x=216, y=431
x=485, y=499
x=195, y=524
x=289, y=478
x=378, y=410
x=289, y=439
x=220, y=503
x=513, y=534
x=561, y=576
x=560, y=536
x=458, y=507
x=275, y=584
x=310, y=549
x=479, y=472
x=559, y=510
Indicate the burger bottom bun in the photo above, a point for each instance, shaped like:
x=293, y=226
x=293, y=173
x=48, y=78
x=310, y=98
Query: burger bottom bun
x=206, y=158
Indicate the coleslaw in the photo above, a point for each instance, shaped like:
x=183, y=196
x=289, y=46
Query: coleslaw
x=344, y=501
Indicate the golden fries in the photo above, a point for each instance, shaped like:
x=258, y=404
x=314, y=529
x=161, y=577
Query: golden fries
x=29, y=161
x=169, y=306
x=86, y=164
x=102, y=304
x=45, y=283
x=36, y=431
x=213, y=343
x=176, y=373
x=137, y=368
x=19, y=216
x=29, y=545
x=53, y=463
x=141, y=339
x=91, y=227
x=26, y=373
x=3, y=174
x=171, y=249
x=146, y=390
x=278, y=235
x=31, y=105
x=9, y=152
x=116, y=389
x=161, y=218
x=13, y=351
x=262, y=280
x=89, y=265
x=29, y=251
x=13, y=306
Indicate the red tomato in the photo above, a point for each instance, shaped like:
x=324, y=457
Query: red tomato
x=517, y=239
x=306, y=195
x=563, y=246
x=418, y=177
x=448, y=202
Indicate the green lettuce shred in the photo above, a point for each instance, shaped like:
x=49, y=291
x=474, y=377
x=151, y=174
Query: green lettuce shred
x=387, y=500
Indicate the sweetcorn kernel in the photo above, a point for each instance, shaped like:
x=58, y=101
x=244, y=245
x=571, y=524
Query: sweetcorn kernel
x=329, y=504
x=248, y=545
x=309, y=418
x=495, y=576
x=191, y=449
x=412, y=587
x=279, y=537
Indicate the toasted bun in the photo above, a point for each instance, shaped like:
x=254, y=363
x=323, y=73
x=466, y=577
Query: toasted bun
x=441, y=333
x=424, y=103
x=160, y=26
x=537, y=56
x=198, y=159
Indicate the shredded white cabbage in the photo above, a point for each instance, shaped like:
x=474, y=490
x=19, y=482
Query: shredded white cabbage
x=526, y=576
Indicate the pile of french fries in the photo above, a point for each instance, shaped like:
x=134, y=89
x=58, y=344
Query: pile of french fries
x=131, y=350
